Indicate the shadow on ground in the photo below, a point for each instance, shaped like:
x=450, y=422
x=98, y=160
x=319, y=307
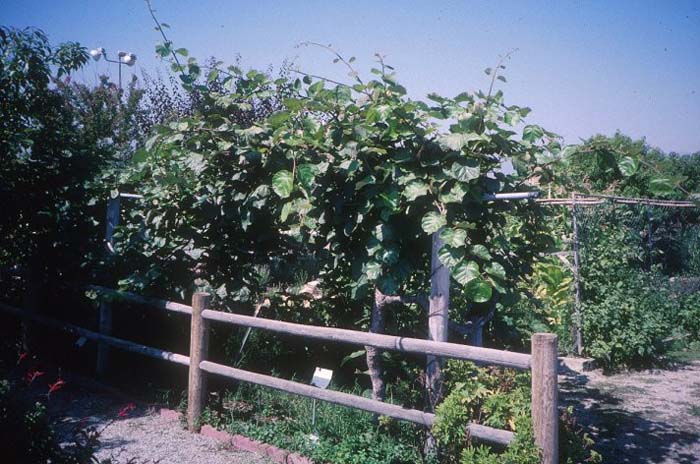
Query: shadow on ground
x=624, y=434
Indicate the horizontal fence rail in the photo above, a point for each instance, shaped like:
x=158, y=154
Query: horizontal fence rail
x=142, y=300
x=481, y=432
x=98, y=337
x=542, y=363
x=386, y=342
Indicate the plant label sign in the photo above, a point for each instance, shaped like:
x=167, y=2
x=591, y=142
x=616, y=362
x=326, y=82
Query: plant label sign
x=322, y=378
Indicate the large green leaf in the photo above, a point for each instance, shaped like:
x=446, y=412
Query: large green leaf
x=465, y=272
x=496, y=270
x=453, y=236
x=628, y=166
x=481, y=251
x=306, y=174
x=415, y=189
x=532, y=133
x=450, y=256
x=432, y=222
x=478, y=290
x=465, y=170
x=456, y=141
x=283, y=183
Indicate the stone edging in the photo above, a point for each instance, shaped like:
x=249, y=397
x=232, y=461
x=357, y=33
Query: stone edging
x=239, y=442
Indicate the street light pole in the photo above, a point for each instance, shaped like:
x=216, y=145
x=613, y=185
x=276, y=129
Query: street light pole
x=126, y=58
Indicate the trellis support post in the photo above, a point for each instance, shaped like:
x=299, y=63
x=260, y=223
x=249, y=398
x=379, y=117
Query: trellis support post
x=199, y=347
x=545, y=396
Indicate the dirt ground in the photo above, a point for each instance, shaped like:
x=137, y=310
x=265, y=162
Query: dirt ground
x=642, y=417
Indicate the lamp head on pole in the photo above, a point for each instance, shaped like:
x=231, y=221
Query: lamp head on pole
x=127, y=58
x=96, y=53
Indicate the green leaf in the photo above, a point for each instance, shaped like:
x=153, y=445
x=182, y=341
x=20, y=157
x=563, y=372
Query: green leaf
x=478, y=290
x=465, y=170
x=481, y=251
x=449, y=256
x=351, y=356
x=455, y=195
x=661, y=185
x=628, y=166
x=277, y=118
x=283, y=183
x=306, y=174
x=456, y=141
x=415, y=189
x=453, y=237
x=496, y=270
x=373, y=270
x=466, y=272
x=432, y=222
x=532, y=133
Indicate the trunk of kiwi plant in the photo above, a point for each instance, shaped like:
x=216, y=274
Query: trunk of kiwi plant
x=438, y=318
x=374, y=360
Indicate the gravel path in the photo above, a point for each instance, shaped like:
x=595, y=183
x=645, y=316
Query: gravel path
x=141, y=435
x=643, y=417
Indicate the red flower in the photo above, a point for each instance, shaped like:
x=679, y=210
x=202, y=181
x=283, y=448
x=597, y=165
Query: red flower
x=124, y=412
x=32, y=375
x=22, y=357
x=57, y=385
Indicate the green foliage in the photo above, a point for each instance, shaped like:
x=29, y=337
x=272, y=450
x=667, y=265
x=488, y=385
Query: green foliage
x=689, y=316
x=627, y=324
x=344, y=183
x=628, y=167
x=61, y=141
x=345, y=436
x=498, y=398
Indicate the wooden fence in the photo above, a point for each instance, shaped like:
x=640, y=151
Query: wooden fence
x=543, y=363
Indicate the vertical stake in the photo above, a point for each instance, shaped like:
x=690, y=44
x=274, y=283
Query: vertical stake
x=199, y=346
x=545, y=396
x=105, y=317
x=438, y=319
x=577, y=322
x=105, y=328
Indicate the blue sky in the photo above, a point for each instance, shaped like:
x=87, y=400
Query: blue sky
x=584, y=67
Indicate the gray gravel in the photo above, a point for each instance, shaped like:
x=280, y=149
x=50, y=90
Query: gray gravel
x=140, y=435
x=641, y=417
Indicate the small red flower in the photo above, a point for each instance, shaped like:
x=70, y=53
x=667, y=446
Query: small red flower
x=22, y=357
x=124, y=412
x=32, y=375
x=57, y=385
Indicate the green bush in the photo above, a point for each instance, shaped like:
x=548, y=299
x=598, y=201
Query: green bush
x=498, y=398
x=689, y=316
x=627, y=327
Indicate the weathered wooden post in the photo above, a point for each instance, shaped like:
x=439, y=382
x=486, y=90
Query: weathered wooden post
x=438, y=319
x=578, y=320
x=105, y=328
x=199, y=346
x=545, y=415
x=104, y=324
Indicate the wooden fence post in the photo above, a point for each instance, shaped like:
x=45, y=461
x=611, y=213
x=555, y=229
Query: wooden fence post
x=199, y=345
x=104, y=324
x=545, y=415
x=105, y=328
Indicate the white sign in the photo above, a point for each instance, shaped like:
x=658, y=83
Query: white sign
x=322, y=377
